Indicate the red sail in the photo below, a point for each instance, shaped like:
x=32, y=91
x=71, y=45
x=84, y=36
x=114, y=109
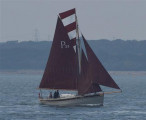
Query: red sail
x=71, y=27
x=67, y=13
x=60, y=72
x=97, y=72
x=73, y=41
x=86, y=83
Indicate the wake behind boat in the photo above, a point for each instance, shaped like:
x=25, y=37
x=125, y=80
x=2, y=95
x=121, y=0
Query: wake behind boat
x=72, y=65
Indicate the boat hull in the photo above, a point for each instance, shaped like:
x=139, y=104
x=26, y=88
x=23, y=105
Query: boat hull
x=76, y=101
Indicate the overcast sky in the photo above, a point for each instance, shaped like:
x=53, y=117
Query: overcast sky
x=98, y=19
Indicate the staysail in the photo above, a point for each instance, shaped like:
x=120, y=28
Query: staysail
x=86, y=82
x=98, y=72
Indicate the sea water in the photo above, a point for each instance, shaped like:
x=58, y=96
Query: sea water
x=19, y=99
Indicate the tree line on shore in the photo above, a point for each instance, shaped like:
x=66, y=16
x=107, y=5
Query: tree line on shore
x=117, y=55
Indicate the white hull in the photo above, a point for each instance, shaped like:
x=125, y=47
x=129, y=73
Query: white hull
x=95, y=99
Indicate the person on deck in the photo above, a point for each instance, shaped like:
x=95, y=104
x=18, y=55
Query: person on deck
x=57, y=94
x=50, y=96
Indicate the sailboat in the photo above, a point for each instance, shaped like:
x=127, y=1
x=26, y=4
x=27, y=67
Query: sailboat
x=73, y=66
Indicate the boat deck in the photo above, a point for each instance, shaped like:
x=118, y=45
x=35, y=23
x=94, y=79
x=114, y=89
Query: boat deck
x=74, y=100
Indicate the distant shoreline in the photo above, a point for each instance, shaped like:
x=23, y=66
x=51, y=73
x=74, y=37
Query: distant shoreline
x=40, y=72
x=117, y=55
x=22, y=71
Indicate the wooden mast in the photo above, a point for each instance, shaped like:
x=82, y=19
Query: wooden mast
x=78, y=44
x=78, y=51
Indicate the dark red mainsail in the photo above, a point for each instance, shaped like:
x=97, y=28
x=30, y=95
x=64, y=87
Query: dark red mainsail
x=60, y=72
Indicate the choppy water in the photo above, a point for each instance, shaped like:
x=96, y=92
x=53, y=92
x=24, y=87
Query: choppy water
x=19, y=100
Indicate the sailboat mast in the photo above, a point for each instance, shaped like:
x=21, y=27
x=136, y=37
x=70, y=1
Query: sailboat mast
x=78, y=45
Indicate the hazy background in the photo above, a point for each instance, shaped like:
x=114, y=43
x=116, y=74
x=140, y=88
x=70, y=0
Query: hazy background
x=109, y=19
